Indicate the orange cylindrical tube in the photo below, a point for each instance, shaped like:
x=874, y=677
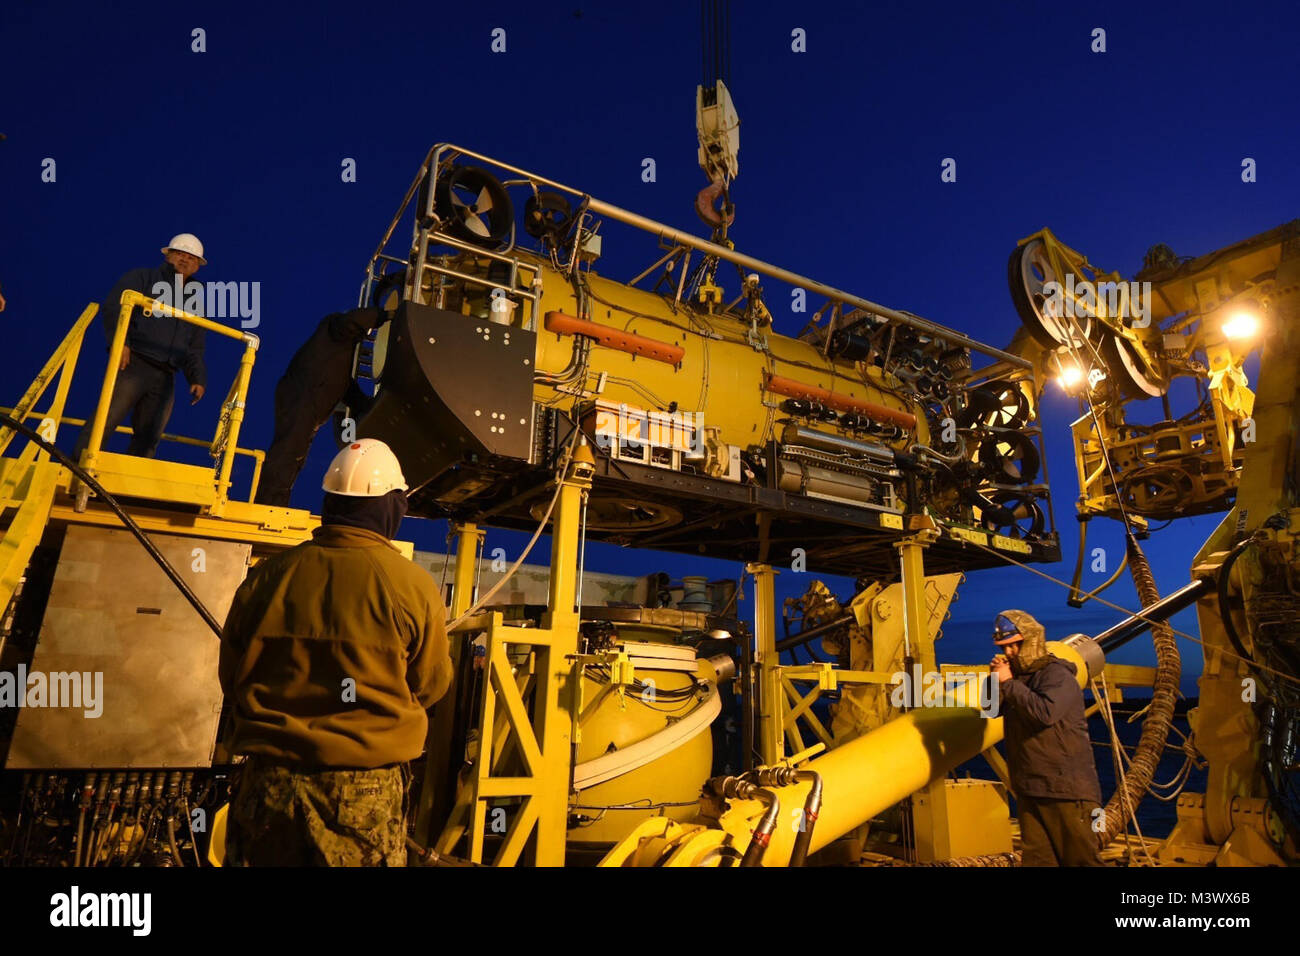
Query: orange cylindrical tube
x=844, y=403
x=628, y=342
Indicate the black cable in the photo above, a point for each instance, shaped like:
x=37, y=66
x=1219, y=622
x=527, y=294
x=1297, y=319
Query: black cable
x=126, y=519
x=1229, y=628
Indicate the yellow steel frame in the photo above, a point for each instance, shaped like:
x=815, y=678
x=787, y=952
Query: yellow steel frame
x=31, y=484
x=932, y=820
x=542, y=735
x=469, y=539
x=28, y=482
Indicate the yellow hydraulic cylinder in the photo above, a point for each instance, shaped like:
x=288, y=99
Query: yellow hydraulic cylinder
x=872, y=773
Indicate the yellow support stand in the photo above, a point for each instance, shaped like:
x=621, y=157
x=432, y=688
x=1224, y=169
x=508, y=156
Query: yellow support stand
x=771, y=719
x=930, y=811
x=533, y=803
x=434, y=786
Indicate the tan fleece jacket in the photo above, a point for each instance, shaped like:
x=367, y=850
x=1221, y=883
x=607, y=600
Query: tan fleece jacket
x=333, y=651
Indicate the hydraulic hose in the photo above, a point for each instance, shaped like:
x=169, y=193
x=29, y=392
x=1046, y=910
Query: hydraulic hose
x=739, y=788
x=1160, y=714
x=117, y=509
x=426, y=856
x=171, y=839
x=784, y=777
x=811, y=808
x=811, y=633
x=1229, y=628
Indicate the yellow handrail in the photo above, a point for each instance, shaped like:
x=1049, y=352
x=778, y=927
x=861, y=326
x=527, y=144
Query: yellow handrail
x=63, y=361
x=256, y=454
x=235, y=403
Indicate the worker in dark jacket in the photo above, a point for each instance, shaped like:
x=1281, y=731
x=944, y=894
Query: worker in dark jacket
x=1049, y=753
x=331, y=655
x=318, y=378
x=156, y=346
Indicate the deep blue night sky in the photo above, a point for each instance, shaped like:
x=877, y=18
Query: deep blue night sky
x=840, y=160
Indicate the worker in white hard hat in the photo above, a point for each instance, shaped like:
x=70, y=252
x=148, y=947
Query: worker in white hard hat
x=156, y=347
x=331, y=655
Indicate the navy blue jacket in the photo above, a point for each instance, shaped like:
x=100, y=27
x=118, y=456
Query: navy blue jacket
x=163, y=340
x=1049, y=752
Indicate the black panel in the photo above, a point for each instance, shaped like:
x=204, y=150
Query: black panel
x=454, y=390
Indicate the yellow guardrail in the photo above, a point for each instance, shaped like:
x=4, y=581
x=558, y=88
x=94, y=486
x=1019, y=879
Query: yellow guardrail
x=62, y=364
x=256, y=454
x=224, y=443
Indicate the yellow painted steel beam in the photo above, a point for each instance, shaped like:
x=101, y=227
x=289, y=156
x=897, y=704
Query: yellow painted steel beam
x=556, y=702
x=1130, y=675
x=435, y=790
x=26, y=529
x=291, y=527
x=63, y=359
x=911, y=552
x=771, y=720
x=544, y=734
x=469, y=540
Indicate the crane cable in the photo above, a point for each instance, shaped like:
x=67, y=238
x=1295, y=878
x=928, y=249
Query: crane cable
x=715, y=43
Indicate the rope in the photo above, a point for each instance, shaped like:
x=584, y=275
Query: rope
x=1160, y=712
x=1123, y=792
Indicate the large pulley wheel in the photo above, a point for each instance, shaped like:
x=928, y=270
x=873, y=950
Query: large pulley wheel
x=1028, y=272
x=1132, y=373
x=473, y=206
x=1157, y=491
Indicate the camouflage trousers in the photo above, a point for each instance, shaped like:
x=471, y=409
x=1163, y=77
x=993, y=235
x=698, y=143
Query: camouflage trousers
x=283, y=817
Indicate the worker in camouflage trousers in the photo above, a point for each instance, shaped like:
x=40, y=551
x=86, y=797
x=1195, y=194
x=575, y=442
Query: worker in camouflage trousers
x=1049, y=753
x=325, y=818
x=331, y=656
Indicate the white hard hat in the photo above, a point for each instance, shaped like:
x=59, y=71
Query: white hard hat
x=186, y=242
x=367, y=468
